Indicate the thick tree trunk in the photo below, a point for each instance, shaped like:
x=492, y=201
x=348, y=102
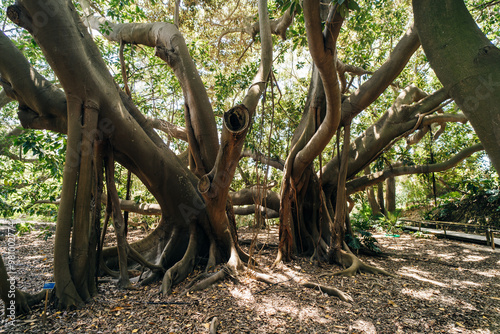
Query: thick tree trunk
x=466, y=63
x=370, y=194
x=380, y=197
x=189, y=220
x=390, y=195
x=77, y=63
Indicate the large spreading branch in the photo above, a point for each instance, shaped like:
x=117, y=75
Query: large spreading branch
x=278, y=27
x=371, y=89
x=400, y=120
x=214, y=186
x=466, y=63
x=324, y=54
x=256, y=195
x=255, y=208
x=171, y=47
x=170, y=129
x=41, y=104
x=362, y=182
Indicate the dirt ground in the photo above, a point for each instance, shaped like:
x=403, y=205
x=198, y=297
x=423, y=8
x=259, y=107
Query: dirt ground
x=441, y=286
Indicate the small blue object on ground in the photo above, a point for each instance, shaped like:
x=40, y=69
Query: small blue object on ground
x=49, y=286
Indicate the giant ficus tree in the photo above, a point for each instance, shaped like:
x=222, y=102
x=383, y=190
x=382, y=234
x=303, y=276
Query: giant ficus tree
x=104, y=125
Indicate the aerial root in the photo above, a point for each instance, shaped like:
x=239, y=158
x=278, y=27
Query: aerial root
x=212, y=255
x=331, y=291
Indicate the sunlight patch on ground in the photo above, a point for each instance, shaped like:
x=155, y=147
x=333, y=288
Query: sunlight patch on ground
x=455, y=282
x=458, y=327
x=417, y=274
x=243, y=296
x=442, y=256
x=487, y=273
x=365, y=326
x=433, y=294
x=450, y=301
x=474, y=258
x=34, y=258
x=276, y=308
x=426, y=294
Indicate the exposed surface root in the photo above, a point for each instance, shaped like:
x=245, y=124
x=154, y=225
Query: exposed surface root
x=331, y=291
x=213, y=325
x=25, y=300
x=137, y=257
x=264, y=278
x=181, y=269
x=108, y=271
x=356, y=266
x=208, y=281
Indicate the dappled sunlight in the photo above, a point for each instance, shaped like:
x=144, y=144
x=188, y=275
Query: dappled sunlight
x=474, y=258
x=364, y=326
x=425, y=294
x=455, y=282
x=417, y=274
x=272, y=306
x=458, y=327
x=441, y=255
x=242, y=295
x=437, y=296
x=488, y=273
x=35, y=258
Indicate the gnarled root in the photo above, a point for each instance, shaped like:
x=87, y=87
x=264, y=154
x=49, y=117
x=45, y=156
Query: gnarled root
x=181, y=269
x=331, y=291
x=25, y=300
x=355, y=266
x=207, y=281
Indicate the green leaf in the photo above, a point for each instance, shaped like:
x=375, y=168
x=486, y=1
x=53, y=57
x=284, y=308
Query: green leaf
x=353, y=5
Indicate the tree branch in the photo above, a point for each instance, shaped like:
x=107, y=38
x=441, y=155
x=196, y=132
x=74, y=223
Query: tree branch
x=266, y=55
x=171, y=47
x=278, y=26
x=260, y=157
x=4, y=99
x=370, y=90
x=395, y=123
x=323, y=51
x=251, y=195
x=251, y=209
x=6, y=144
x=41, y=104
x=374, y=178
x=170, y=129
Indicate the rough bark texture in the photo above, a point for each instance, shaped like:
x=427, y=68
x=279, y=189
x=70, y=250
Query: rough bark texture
x=466, y=63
